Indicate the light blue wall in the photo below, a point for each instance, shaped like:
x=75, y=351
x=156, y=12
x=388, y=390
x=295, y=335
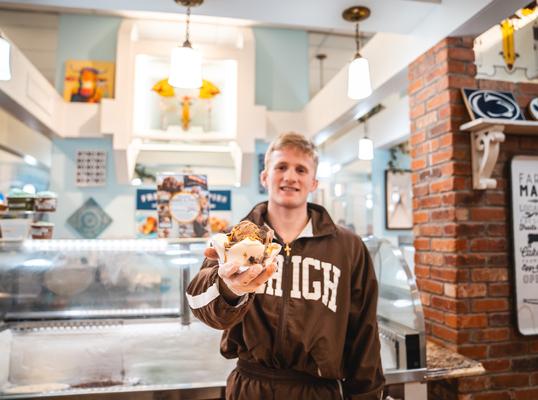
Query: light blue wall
x=117, y=200
x=379, y=165
x=281, y=68
x=244, y=198
x=281, y=84
x=85, y=37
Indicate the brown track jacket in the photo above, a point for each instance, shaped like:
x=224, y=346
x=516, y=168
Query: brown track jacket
x=317, y=314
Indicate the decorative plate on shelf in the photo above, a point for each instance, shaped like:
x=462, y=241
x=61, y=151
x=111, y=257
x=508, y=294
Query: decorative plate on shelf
x=533, y=108
x=90, y=220
x=491, y=104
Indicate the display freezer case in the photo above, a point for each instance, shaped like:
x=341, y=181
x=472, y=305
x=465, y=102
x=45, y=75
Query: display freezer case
x=399, y=314
x=109, y=316
x=95, y=316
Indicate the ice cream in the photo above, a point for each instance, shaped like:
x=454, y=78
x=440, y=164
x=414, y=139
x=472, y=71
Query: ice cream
x=247, y=244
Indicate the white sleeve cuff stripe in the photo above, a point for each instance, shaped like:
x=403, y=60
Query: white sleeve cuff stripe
x=203, y=299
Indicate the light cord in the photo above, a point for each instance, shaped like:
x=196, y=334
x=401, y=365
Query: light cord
x=187, y=42
x=357, y=38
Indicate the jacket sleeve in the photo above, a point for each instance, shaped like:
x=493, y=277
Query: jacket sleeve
x=207, y=303
x=364, y=380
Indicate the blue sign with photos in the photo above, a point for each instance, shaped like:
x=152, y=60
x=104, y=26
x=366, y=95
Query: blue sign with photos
x=146, y=199
x=220, y=200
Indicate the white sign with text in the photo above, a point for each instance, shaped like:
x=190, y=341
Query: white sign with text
x=524, y=171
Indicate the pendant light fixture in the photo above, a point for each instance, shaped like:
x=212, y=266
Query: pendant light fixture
x=186, y=62
x=321, y=57
x=5, y=59
x=358, y=84
x=366, y=145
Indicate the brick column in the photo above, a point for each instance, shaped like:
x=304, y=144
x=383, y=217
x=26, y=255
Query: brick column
x=463, y=236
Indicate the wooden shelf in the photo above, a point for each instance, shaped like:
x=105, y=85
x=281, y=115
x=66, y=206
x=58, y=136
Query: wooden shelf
x=510, y=126
x=155, y=134
x=487, y=134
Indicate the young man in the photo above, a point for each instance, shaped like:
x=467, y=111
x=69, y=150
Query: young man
x=306, y=327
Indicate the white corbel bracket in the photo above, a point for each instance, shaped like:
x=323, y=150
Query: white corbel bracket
x=485, y=146
x=487, y=134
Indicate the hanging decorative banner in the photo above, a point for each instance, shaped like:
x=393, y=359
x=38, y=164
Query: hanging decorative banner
x=509, y=51
x=524, y=174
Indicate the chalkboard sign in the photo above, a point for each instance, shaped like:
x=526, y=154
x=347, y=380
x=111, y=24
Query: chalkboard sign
x=524, y=174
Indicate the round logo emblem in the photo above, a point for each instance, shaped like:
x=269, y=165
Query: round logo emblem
x=533, y=108
x=488, y=104
x=184, y=207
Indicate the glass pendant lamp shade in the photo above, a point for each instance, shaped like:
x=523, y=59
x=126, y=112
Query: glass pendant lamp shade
x=358, y=81
x=185, y=68
x=366, y=149
x=5, y=62
x=358, y=84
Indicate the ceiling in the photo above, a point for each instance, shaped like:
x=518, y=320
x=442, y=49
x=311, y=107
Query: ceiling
x=398, y=32
x=323, y=15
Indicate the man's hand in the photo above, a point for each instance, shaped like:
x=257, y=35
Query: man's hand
x=239, y=283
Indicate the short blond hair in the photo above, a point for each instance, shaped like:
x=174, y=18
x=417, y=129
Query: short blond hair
x=294, y=140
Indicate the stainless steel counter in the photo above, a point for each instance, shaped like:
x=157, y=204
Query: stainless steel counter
x=98, y=357
x=119, y=360
x=110, y=357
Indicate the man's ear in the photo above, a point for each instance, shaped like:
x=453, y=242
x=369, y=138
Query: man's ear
x=263, y=178
x=314, y=185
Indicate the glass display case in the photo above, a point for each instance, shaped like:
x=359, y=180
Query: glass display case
x=399, y=314
x=102, y=316
x=108, y=317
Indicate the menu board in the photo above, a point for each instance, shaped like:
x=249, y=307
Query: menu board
x=146, y=218
x=182, y=206
x=524, y=176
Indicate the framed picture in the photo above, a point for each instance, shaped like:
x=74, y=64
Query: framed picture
x=261, y=167
x=91, y=168
x=491, y=104
x=88, y=81
x=398, y=200
x=524, y=183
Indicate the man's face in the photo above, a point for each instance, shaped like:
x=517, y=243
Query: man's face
x=289, y=177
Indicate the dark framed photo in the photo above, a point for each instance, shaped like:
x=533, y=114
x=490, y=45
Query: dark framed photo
x=398, y=200
x=261, y=167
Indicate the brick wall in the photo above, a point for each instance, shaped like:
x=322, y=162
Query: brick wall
x=462, y=236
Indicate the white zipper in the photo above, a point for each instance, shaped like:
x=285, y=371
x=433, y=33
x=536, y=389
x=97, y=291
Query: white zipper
x=340, y=389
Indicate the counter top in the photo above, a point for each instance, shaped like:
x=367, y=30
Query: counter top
x=148, y=365
x=444, y=363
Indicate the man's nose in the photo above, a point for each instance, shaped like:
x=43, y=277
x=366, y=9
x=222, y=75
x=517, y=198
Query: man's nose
x=290, y=175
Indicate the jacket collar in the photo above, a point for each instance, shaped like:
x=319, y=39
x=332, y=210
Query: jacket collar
x=319, y=224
